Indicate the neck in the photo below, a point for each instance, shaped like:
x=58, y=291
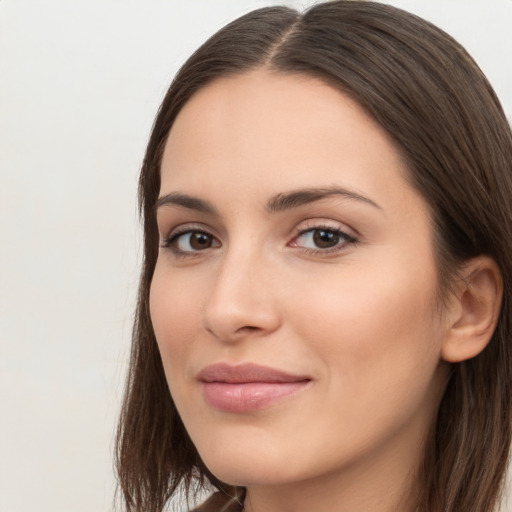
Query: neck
x=385, y=485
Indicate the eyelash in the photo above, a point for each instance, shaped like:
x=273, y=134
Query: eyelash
x=349, y=240
x=167, y=243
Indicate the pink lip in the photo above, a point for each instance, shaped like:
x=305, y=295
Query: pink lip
x=247, y=387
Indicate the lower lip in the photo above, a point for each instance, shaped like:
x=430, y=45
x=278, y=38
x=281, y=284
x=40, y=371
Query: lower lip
x=249, y=396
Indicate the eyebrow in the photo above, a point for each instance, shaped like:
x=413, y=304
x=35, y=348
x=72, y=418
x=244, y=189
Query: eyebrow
x=186, y=201
x=296, y=198
x=277, y=203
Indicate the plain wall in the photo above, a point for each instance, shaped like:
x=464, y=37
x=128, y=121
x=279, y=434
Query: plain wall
x=80, y=82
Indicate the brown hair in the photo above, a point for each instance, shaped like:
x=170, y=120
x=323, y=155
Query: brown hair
x=430, y=96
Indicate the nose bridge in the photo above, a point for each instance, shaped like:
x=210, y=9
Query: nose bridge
x=242, y=299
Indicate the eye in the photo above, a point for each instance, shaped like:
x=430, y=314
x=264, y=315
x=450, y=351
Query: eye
x=191, y=241
x=322, y=239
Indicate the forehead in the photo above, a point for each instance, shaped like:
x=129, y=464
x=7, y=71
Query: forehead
x=266, y=131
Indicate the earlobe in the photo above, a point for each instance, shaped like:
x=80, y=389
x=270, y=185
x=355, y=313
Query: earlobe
x=478, y=302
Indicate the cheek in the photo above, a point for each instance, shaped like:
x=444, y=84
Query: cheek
x=378, y=328
x=175, y=315
x=376, y=342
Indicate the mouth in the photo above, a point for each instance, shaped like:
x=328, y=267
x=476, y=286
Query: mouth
x=248, y=387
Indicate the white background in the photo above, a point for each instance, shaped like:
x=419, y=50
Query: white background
x=80, y=82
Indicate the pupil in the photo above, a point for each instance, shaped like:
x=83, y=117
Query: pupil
x=200, y=241
x=325, y=239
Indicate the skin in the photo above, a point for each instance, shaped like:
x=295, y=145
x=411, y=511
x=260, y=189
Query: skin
x=360, y=319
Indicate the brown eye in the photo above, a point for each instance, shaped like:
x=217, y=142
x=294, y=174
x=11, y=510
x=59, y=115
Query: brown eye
x=192, y=241
x=199, y=241
x=324, y=239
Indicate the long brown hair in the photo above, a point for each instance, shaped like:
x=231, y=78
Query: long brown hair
x=431, y=97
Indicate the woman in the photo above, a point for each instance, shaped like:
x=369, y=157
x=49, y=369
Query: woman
x=326, y=282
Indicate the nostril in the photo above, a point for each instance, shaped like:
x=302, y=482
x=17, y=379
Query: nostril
x=231, y=315
x=248, y=328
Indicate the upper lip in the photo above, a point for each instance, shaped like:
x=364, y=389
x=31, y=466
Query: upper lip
x=245, y=373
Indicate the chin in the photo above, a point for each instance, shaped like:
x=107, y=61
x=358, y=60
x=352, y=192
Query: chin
x=250, y=465
x=246, y=475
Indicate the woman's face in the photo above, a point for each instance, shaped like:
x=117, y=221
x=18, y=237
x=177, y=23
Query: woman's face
x=293, y=299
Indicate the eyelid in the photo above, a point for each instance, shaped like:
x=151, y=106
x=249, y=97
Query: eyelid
x=325, y=225
x=167, y=241
x=186, y=227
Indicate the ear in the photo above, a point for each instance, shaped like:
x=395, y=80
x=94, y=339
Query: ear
x=474, y=311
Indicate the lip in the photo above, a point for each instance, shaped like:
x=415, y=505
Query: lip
x=248, y=387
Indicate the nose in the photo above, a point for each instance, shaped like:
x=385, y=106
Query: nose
x=243, y=302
